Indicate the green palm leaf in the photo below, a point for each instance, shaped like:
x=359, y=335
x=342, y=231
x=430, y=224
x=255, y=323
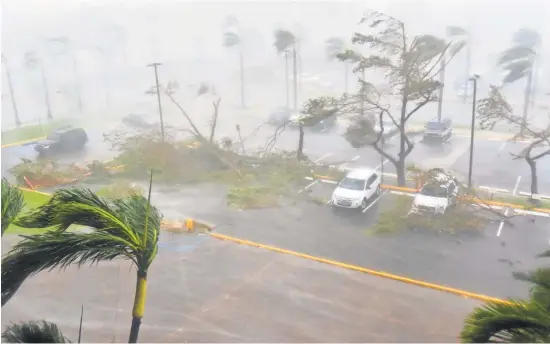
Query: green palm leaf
x=33, y=332
x=57, y=250
x=127, y=227
x=514, y=322
x=540, y=278
x=12, y=203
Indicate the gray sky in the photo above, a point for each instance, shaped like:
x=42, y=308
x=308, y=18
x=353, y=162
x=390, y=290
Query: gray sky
x=186, y=35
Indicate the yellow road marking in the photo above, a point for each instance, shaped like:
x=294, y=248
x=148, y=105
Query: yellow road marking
x=19, y=143
x=423, y=284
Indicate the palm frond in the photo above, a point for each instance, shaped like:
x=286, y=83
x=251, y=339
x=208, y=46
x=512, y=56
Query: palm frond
x=33, y=332
x=540, y=291
x=231, y=39
x=283, y=40
x=334, y=46
x=83, y=207
x=53, y=250
x=514, y=54
x=516, y=70
x=526, y=38
x=456, y=31
x=12, y=203
x=517, y=321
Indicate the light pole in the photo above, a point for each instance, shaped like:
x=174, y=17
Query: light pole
x=155, y=65
x=472, y=130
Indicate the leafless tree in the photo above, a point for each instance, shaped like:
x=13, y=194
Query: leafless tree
x=495, y=109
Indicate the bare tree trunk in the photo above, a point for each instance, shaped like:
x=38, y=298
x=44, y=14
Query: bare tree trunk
x=241, y=62
x=442, y=81
x=216, y=105
x=300, y=152
x=400, y=166
x=534, y=179
x=526, y=97
x=287, y=86
x=295, y=80
x=12, y=95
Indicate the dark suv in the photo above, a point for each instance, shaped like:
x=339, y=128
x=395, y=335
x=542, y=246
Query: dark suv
x=67, y=139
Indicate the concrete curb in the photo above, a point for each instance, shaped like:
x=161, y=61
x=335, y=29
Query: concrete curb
x=20, y=143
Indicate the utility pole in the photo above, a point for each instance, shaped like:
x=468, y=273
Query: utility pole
x=472, y=131
x=12, y=96
x=155, y=66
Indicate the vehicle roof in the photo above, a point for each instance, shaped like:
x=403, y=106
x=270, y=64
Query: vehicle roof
x=360, y=173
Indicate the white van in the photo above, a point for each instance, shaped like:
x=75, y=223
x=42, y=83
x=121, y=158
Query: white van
x=357, y=189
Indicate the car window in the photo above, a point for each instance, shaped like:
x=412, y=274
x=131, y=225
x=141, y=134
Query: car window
x=435, y=126
x=434, y=190
x=352, y=184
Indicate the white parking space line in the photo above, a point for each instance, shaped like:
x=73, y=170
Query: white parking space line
x=491, y=189
x=402, y=193
x=501, y=225
x=528, y=212
x=502, y=147
x=516, y=186
x=535, y=196
x=374, y=202
x=382, y=164
x=308, y=186
x=323, y=157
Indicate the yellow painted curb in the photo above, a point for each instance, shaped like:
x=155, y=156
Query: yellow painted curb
x=23, y=142
x=31, y=190
x=363, y=270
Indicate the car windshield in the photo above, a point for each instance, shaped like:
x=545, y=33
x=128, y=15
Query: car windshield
x=435, y=126
x=433, y=191
x=352, y=184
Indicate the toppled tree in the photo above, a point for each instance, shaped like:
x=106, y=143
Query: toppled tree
x=410, y=65
x=495, y=109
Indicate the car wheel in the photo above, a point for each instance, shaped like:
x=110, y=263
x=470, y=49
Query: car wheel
x=364, y=204
x=378, y=191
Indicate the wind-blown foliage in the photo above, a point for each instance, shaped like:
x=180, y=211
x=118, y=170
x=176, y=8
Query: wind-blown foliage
x=283, y=40
x=334, y=46
x=33, y=332
x=515, y=321
x=125, y=228
x=519, y=59
x=410, y=66
x=12, y=203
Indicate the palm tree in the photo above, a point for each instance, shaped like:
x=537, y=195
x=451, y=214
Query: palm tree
x=33, y=332
x=285, y=43
x=125, y=228
x=519, y=61
x=334, y=47
x=457, y=31
x=12, y=95
x=32, y=61
x=12, y=203
x=514, y=321
x=232, y=39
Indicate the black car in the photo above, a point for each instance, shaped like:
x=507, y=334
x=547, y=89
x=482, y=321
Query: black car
x=438, y=131
x=63, y=140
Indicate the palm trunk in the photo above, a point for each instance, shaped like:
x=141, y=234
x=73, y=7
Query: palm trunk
x=46, y=92
x=77, y=86
x=526, y=97
x=241, y=63
x=139, y=305
x=300, y=153
x=12, y=95
x=346, y=73
x=286, y=81
x=295, y=80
